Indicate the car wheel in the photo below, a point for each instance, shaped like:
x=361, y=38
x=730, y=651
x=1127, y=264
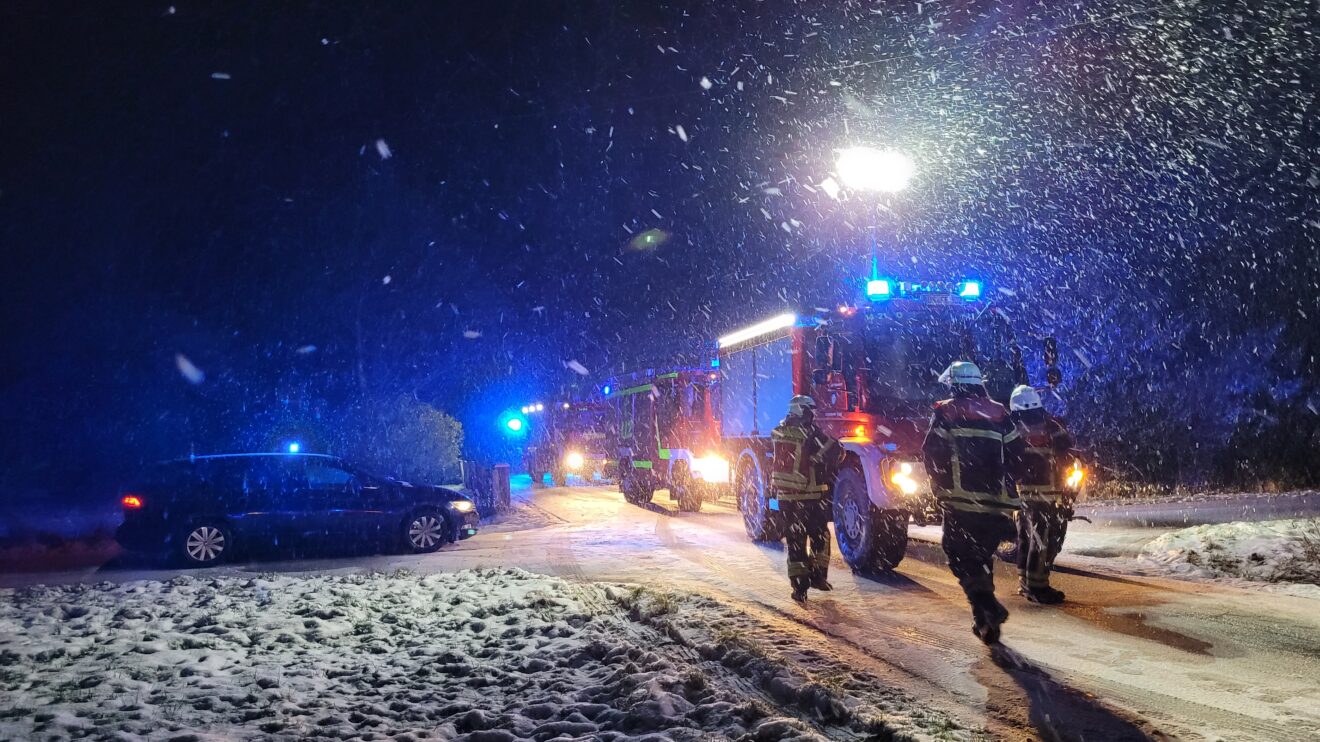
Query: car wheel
x=205, y=543
x=870, y=539
x=425, y=532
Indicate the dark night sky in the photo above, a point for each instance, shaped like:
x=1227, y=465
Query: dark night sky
x=1103, y=151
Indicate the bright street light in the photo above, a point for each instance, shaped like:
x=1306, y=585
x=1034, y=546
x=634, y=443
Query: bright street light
x=870, y=169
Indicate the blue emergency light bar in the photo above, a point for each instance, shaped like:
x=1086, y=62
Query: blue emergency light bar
x=880, y=289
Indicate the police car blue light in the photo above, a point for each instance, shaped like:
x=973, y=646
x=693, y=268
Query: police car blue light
x=969, y=290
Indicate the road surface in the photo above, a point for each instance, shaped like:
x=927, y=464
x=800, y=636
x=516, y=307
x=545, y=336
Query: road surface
x=1167, y=514
x=1125, y=658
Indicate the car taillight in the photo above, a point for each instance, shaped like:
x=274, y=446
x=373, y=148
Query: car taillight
x=132, y=502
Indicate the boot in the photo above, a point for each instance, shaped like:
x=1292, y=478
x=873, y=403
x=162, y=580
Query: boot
x=987, y=615
x=818, y=581
x=800, y=585
x=1044, y=595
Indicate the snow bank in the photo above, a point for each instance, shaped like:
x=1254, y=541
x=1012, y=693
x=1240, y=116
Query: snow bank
x=1268, y=551
x=478, y=655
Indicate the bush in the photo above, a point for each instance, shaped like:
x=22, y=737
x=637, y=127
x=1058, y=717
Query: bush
x=402, y=437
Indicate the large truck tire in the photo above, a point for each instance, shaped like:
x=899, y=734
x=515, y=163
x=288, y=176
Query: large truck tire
x=762, y=524
x=870, y=539
x=684, y=489
x=638, y=488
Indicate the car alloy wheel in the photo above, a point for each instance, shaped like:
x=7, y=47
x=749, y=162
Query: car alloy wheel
x=205, y=544
x=426, y=532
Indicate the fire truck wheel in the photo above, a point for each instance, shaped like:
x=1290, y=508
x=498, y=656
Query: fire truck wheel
x=637, y=488
x=760, y=521
x=870, y=539
x=684, y=490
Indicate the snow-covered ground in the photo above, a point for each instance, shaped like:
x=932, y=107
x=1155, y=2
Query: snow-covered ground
x=484, y=655
x=1269, y=551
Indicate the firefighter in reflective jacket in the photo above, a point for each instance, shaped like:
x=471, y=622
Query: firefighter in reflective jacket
x=969, y=446
x=805, y=462
x=1040, y=485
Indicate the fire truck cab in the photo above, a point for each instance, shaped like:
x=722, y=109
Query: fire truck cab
x=668, y=435
x=573, y=439
x=873, y=371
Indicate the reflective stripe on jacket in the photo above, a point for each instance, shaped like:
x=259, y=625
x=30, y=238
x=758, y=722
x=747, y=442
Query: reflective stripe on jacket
x=804, y=461
x=1039, y=475
x=969, y=447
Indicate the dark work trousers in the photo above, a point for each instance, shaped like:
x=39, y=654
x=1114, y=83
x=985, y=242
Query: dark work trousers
x=970, y=541
x=1041, y=528
x=807, y=537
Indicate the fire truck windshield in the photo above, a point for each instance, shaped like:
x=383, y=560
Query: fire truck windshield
x=907, y=351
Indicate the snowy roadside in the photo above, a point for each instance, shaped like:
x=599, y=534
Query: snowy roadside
x=1269, y=551
x=478, y=655
x=1281, y=556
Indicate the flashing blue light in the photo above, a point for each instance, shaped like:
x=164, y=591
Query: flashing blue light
x=969, y=290
x=606, y=390
x=294, y=448
x=514, y=423
x=714, y=363
x=879, y=288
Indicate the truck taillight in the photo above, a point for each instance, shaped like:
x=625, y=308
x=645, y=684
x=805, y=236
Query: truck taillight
x=132, y=502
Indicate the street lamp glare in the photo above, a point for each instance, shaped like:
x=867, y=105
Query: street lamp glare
x=870, y=169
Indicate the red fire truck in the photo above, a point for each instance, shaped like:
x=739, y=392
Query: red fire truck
x=668, y=435
x=571, y=438
x=873, y=371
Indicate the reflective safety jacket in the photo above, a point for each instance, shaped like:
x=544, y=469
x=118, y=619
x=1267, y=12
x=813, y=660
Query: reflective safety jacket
x=1040, y=473
x=805, y=460
x=969, y=448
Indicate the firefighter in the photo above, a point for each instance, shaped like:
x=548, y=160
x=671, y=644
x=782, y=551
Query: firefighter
x=805, y=462
x=968, y=446
x=1046, y=510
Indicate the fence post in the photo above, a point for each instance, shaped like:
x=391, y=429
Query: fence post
x=500, y=491
x=488, y=486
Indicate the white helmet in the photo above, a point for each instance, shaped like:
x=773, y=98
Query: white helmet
x=800, y=403
x=1024, y=398
x=962, y=372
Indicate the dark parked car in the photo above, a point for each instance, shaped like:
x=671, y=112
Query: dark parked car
x=200, y=509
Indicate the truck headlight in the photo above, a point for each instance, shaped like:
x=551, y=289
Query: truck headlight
x=711, y=468
x=574, y=460
x=901, y=476
x=1076, y=477
x=462, y=506
x=906, y=478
